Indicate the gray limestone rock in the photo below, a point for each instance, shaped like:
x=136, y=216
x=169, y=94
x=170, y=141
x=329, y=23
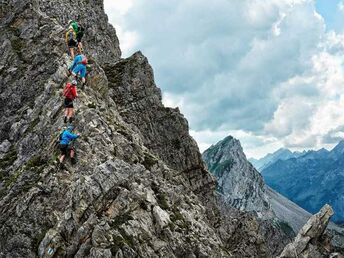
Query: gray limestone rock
x=238, y=181
x=311, y=240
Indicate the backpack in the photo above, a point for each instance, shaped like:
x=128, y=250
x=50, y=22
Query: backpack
x=70, y=35
x=81, y=31
x=84, y=61
x=75, y=26
x=67, y=91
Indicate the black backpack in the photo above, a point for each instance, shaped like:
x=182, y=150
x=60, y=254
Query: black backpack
x=81, y=31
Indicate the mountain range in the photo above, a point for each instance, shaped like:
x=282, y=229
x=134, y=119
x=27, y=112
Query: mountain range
x=243, y=187
x=280, y=154
x=311, y=179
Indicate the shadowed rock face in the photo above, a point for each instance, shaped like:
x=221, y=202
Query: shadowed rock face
x=163, y=130
x=139, y=188
x=311, y=241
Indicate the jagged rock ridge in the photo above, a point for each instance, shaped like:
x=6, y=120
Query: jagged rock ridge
x=241, y=185
x=311, y=240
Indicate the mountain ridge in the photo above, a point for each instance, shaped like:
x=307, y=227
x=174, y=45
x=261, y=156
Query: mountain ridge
x=310, y=180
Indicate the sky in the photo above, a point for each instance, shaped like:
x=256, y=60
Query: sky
x=268, y=72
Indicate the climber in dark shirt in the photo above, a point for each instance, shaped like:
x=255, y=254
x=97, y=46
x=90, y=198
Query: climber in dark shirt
x=66, y=138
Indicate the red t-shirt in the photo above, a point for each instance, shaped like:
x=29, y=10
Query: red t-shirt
x=70, y=91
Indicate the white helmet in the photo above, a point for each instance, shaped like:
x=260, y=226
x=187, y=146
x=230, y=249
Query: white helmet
x=74, y=82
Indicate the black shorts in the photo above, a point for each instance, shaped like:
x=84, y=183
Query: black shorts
x=79, y=37
x=72, y=43
x=68, y=103
x=65, y=149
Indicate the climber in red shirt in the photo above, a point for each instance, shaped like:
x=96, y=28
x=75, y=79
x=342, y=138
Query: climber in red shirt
x=70, y=94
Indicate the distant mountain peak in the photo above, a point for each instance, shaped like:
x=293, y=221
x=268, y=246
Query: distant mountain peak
x=240, y=184
x=270, y=158
x=339, y=148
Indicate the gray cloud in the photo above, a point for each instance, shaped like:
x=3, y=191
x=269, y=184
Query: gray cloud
x=333, y=136
x=225, y=58
x=232, y=65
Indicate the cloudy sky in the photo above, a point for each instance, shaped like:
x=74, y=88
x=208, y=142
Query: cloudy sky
x=269, y=72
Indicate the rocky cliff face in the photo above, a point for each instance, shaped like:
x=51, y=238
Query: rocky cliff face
x=238, y=181
x=311, y=240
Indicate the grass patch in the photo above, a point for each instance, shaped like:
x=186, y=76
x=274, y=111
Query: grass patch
x=286, y=228
x=33, y=124
x=218, y=169
x=9, y=181
x=162, y=201
x=121, y=219
x=17, y=45
x=149, y=161
x=128, y=239
x=35, y=161
x=177, y=216
x=91, y=105
x=8, y=159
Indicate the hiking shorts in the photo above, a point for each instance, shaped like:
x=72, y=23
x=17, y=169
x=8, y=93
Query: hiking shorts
x=65, y=149
x=68, y=103
x=79, y=37
x=80, y=69
x=72, y=43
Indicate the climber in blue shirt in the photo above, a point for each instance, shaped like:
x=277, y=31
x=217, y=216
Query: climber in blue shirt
x=66, y=138
x=78, y=67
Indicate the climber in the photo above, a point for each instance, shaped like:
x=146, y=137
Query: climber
x=71, y=38
x=70, y=94
x=78, y=67
x=66, y=139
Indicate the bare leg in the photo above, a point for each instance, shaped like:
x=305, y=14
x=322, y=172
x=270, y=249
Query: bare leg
x=71, y=50
x=72, y=158
x=66, y=115
x=70, y=115
x=72, y=153
x=62, y=158
x=80, y=47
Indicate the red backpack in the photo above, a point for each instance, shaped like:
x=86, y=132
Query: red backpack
x=68, y=91
x=84, y=61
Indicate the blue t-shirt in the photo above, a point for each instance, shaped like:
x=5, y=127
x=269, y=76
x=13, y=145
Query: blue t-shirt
x=76, y=61
x=67, y=137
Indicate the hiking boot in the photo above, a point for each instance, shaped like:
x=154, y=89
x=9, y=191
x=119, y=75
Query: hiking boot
x=71, y=120
x=73, y=160
x=65, y=120
x=61, y=166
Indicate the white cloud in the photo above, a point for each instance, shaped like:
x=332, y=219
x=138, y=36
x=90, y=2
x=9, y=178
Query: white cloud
x=264, y=71
x=341, y=6
x=117, y=10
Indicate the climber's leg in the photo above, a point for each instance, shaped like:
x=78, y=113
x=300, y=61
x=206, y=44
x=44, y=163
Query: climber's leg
x=72, y=155
x=80, y=48
x=68, y=104
x=71, y=51
x=64, y=149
